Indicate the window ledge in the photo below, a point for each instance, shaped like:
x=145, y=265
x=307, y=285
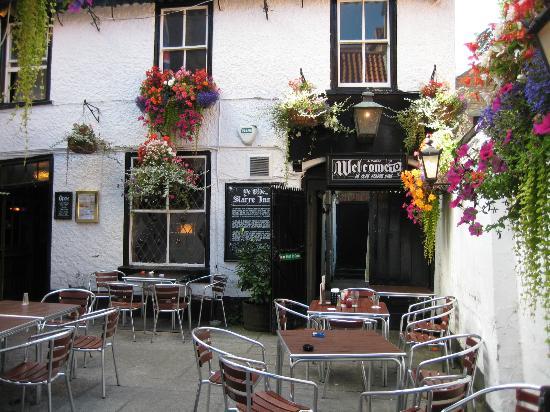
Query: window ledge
x=4, y=106
x=359, y=90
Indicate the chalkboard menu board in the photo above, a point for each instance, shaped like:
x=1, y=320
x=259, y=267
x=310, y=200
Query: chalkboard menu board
x=63, y=205
x=247, y=215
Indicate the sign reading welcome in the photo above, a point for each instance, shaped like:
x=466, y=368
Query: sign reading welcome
x=247, y=216
x=365, y=170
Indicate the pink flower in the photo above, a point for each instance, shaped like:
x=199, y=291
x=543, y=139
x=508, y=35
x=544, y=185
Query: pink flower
x=486, y=151
x=462, y=150
x=476, y=229
x=542, y=128
x=455, y=202
x=508, y=136
x=468, y=216
x=505, y=89
x=499, y=166
x=496, y=105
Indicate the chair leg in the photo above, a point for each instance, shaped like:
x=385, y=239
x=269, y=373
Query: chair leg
x=155, y=320
x=23, y=398
x=223, y=311
x=181, y=326
x=208, y=398
x=114, y=363
x=70, y=392
x=197, y=396
x=103, y=373
x=364, y=375
x=189, y=316
x=200, y=313
x=132, y=322
x=49, y=385
x=327, y=376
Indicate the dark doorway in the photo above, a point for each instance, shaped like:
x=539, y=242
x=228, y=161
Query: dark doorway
x=25, y=228
x=352, y=232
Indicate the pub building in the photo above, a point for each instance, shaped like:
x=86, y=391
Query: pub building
x=328, y=205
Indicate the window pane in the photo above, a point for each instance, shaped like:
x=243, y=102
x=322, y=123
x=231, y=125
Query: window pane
x=187, y=238
x=375, y=20
x=172, y=60
x=350, y=21
x=172, y=29
x=376, y=63
x=196, y=59
x=148, y=237
x=195, y=197
x=195, y=28
x=38, y=91
x=351, y=68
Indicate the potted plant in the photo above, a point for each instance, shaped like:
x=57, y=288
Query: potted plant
x=300, y=113
x=254, y=272
x=83, y=140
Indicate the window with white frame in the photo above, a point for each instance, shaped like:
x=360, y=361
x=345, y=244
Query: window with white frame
x=363, y=43
x=171, y=234
x=183, y=38
x=11, y=69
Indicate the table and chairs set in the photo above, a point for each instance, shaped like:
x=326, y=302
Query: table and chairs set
x=324, y=333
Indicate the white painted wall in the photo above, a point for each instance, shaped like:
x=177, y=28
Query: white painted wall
x=253, y=60
x=480, y=272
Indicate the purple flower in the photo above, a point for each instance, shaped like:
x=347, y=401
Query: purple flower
x=537, y=84
x=476, y=229
x=468, y=216
x=455, y=202
x=141, y=103
x=508, y=136
x=495, y=107
x=468, y=164
x=208, y=98
x=499, y=166
x=453, y=178
x=76, y=5
x=467, y=191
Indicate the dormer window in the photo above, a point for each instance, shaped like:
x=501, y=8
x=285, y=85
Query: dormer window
x=363, y=43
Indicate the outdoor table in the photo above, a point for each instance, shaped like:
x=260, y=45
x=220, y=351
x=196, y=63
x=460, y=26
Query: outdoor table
x=389, y=291
x=337, y=345
x=365, y=309
x=145, y=281
x=10, y=326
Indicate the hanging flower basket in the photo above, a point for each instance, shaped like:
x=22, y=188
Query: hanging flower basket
x=81, y=147
x=296, y=120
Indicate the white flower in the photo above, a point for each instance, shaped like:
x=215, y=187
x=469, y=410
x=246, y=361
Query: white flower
x=171, y=82
x=165, y=82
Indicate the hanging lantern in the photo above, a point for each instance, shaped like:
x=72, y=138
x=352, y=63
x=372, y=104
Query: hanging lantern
x=430, y=162
x=367, y=117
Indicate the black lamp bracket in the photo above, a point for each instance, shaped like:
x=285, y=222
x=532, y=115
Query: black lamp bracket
x=94, y=110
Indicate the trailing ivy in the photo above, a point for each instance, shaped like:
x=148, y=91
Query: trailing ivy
x=30, y=37
x=429, y=226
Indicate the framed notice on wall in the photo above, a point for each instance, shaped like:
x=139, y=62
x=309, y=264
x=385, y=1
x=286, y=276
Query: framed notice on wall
x=247, y=215
x=365, y=170
x=63, y=205
x=87, y=207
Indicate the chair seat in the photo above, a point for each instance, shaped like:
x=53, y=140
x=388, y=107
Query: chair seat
x=87, y=342
x=126, y=305
x=272, y=401
x=431, y=326
x=418, y=337
x=426, y=373
x=172, y=305
x=28, y=372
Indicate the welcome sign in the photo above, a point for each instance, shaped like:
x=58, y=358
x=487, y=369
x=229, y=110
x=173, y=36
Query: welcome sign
x=365, y=170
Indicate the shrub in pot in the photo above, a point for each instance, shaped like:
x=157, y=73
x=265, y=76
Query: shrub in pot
x=254, y=272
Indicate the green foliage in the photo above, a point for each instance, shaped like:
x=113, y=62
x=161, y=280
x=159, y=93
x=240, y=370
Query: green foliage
x=30, y=37
x=254, y=271
x=429, y=226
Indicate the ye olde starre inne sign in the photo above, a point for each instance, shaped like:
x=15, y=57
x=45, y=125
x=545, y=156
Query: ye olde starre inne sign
x=365, y=170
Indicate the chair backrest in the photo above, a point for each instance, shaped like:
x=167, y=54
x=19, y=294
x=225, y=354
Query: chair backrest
x=364, y=292
x=167, y=295
x=59, y=349
x=104, y=277
x=529, y=398
x=285, y=307
x=121, y=292
x=237, y=383
x=111, y=323
x=219, y=282
x=345, y=324
x=81, y=297
x=202, y=340
x=410, y=320
x=439, y=393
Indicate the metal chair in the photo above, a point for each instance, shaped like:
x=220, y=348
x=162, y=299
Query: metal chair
x=438, y=395
x=43, y=372
x=92, y=343
x=81, y=297
x=285, y=307
x=467, y=357
x=168, y=298
x=121, y=296
x=363, y=292
x=413, y=325
x=102, y=278
x=441, y=325
x=204, y=351
x=212, y=292
x=526, y=400
x=238, y=385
